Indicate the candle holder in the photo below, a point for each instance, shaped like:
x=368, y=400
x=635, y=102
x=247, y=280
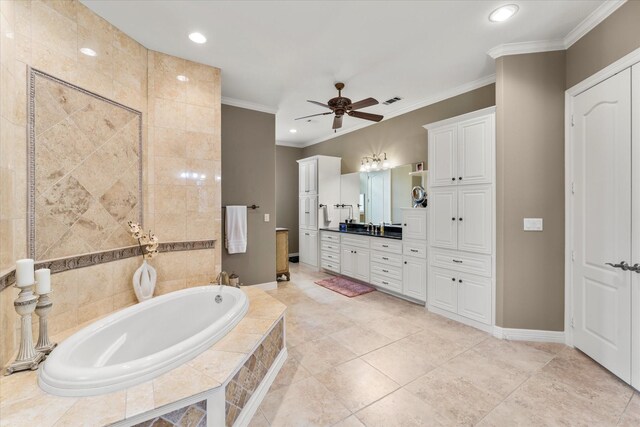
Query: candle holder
x=43, y=308
x=28, y=358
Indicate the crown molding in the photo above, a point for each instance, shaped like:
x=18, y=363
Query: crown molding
x=525, y=47
x=588, y=24
x=450, y=93
x=591, y=21
x=290, y=144
x=248, y=105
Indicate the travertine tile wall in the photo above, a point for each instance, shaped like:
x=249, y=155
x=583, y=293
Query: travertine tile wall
x=47, y=35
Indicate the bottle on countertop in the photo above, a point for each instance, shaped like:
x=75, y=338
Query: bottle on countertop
x=382, y=228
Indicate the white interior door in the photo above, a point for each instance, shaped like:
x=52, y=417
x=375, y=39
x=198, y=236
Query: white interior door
x=635, y=225
x=601, y=206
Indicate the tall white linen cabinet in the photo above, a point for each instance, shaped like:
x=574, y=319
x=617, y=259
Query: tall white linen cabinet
x=319, y=192
x=461, y=189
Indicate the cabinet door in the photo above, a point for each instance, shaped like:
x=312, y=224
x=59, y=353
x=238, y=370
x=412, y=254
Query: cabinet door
x=443, y=289
x=414, y=278
x=303, y=206
x=361, y=257
x=312, y=222
x=303, y=243
x=303, y=169
x=443, y=164
x=474, y=219
x=475, y=150
x=474, y=297
x=347, y=261
x=312, y=248
x=312, y=177
x=444, y=219
x=414, y=224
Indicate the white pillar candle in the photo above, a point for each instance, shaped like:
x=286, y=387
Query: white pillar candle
x=43, y=279
x=24, y=273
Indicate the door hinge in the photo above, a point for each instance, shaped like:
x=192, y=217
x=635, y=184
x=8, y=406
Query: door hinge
x=573, y=188
x=573, y=255
x=573, y=123
x=572, y=323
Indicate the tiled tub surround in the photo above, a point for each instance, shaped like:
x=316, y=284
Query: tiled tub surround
x=22, y=402
x=180, y=133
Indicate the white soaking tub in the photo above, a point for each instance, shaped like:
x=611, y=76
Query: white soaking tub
x=142, y=341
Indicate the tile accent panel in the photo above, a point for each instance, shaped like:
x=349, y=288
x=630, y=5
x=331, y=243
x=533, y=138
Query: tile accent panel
x=244, y=383
x=192, y=416
x=84, y=164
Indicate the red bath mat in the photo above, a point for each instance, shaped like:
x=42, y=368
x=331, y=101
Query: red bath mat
x=345, y=286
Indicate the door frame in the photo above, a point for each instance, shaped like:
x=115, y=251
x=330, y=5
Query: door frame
x=623, y=63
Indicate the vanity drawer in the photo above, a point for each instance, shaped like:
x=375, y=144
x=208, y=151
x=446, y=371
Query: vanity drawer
x=330, y=247
x=386, y=259
x=462, y=261
x=357, y=241
x=329, y=236
x=386, y=245
x=415, y=249
x=332, y=257
x=386, y=283
x=387, y=271
x=330, y=265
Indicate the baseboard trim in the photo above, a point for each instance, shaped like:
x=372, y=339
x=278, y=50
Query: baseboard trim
x=256, y=398
x=528, y=335
x=267, y=286
x=461, y=319
x=294, y=254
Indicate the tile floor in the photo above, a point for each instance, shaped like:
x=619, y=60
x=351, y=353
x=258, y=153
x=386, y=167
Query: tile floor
x=375, y=360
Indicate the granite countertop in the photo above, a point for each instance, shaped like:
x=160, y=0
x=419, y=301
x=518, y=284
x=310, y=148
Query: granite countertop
x=387, y=234
x=22, y=402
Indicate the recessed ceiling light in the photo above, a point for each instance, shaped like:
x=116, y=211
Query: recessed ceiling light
x=503, y=13
x=182, y=78
x=293, y=130
x=197, y=38
x=88, y=51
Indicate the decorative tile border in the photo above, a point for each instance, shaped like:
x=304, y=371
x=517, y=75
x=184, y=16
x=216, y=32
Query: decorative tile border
x=31, y=151
x=245, y=382
x=87, y=260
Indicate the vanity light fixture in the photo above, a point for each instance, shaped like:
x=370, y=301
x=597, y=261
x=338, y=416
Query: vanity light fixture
x=88, y=51
x=197, y=38
x=374, y=162
x=182, y=78
x=503, y=13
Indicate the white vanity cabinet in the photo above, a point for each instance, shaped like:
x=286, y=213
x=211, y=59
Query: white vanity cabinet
x=461, y=152
x=414, y=224
x=462, y=218
x=319, y=192
x=461, y=190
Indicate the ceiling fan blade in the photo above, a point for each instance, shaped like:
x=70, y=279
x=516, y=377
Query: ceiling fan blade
x=313, y=115
x=318, y=103
x=363, y=104
x=366, y=116
x=337, y=122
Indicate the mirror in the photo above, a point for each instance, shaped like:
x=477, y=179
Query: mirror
x=378, y=196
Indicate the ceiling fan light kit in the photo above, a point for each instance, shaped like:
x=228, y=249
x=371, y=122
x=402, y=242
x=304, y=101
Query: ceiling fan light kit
x=341, y=105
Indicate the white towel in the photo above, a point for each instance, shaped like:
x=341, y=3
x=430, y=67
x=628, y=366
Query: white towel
x=236, y=229
x=325, y=215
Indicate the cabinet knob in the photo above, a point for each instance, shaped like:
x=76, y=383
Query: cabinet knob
x=453, y=179
x=453, y=219
x=459, y=219
x=453, y=279
x=405, y=225
x=405, y=262
x=460, y=178
x=460, y=280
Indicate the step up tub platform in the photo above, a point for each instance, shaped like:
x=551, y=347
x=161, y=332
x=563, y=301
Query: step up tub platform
x=223, y=384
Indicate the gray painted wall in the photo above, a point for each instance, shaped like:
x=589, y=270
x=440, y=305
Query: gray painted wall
x=248, y=177
x=530, y=183
x=287, y=192
x=403, y=138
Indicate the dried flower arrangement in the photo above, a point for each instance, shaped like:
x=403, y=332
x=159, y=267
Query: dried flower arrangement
x=148, y=242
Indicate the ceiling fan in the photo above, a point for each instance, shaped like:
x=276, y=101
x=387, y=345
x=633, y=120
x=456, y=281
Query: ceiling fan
x=341, y=106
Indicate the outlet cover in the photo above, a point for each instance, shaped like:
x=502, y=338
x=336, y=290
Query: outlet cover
x=533, y=224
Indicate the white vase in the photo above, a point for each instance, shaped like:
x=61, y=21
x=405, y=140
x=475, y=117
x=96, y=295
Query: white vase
x=144, y=281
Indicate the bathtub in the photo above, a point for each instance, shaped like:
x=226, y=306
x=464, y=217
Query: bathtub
x=141, y=342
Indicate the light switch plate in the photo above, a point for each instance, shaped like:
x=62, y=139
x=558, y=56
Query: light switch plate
x=533, y=224
x=266, y=217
